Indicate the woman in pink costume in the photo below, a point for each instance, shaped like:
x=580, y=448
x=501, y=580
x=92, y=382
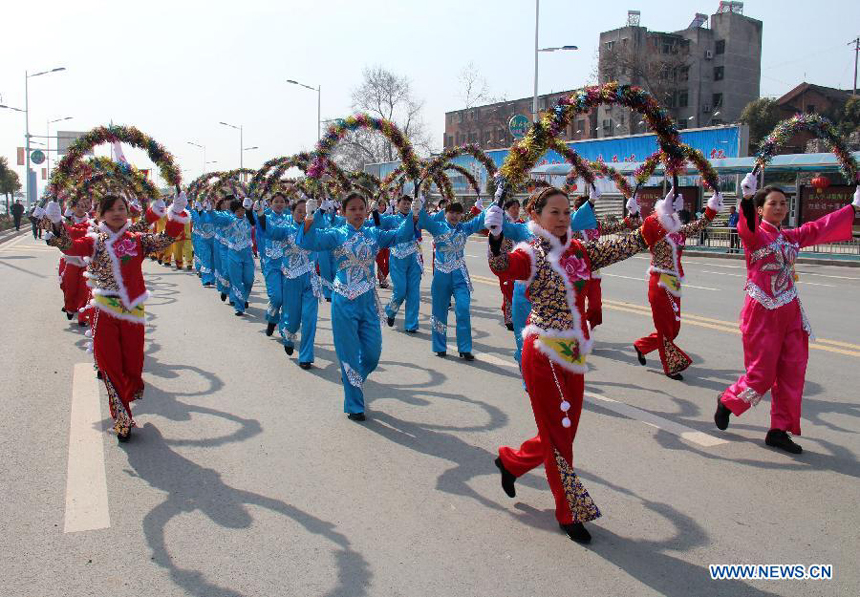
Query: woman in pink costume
x=774, y=327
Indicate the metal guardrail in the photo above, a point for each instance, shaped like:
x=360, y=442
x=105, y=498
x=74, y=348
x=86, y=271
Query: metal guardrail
x=722, y=238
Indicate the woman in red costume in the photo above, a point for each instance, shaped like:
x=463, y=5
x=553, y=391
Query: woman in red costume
x=73, y=283
x=774, y=327
x=556, y=269
x=666, y=277
x=115, y=257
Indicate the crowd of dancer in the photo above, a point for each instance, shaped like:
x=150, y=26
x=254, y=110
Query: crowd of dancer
x=341, y=250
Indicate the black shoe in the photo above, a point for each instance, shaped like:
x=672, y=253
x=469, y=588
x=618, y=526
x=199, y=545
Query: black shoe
x=328, y=299
x=510, y=326
x=82, y=324
x=160, y=262
x=305, y=366
x=232, y=304
x=356, y=417
x=467, y=356
x=390, y=321
x=124, y=437
x=577, y=532
x=70, y=316
x=99, y=375
x=676, y=377
x=246, y=304
x=270, y=329
x=63, y=309
x=442, y=354
x=640, y=357
x=288, y=350
x=415, y=331
x=721, y=416
x=238, y=313
x=207, y=285
x=223, y=297
x=777, y=438
x=508, y=479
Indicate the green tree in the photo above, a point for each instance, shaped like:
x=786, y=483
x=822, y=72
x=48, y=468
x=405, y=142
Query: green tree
x=849, y=119
x=9, y=183
x=761, y=116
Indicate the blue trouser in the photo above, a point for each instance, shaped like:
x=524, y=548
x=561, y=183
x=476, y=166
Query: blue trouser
x=406, y=279
x=358, y=344
x=443, y=287
x=520, y=309
x=325, y=260
x=241, y=266
x=223, y=272
x=203, y=253
x=274, y=289
x=300, y=310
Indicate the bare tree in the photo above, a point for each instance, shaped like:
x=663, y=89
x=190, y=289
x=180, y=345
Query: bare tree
x=474, y=90
x=383, y=94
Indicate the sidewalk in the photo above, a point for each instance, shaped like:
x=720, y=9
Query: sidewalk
x=843, y=259
x=12, y=233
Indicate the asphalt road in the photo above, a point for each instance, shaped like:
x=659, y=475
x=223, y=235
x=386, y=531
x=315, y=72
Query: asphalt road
x=245, y=477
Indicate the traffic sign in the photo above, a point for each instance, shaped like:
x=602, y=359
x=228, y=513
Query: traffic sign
x=519, y=126
x=37, y=157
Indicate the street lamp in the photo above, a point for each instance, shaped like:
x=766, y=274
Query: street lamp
x=48, y=134
x=241, y=141
x=203, y=147
x=11, y=108
x=319, y=103
x=554, y=49
x=27, y=77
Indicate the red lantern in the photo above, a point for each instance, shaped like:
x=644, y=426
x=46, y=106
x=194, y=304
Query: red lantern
x=820, y=183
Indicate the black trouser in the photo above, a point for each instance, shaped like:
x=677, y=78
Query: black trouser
x=17, y=220
x=37, y=230
x=734, y=240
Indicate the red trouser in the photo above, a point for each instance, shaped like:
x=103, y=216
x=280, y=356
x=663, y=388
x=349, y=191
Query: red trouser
x=552, y=435
x=666, y=311
x=507, y=288
x=75, y=290
x=382, y=263
x=118, y=349
x=594, y=298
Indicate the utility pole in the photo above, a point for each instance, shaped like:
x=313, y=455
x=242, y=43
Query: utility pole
x=856, y=43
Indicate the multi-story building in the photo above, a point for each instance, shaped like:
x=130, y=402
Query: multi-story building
x=488, y=125
x=703, y=75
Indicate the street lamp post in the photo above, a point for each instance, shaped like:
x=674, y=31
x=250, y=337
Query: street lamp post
x=538, y=49
x=203, y=147
x=318, y=89
x=241, y=141
x=27, y=77
x=48, y=132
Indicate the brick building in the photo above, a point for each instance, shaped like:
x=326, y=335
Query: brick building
x=811, y=99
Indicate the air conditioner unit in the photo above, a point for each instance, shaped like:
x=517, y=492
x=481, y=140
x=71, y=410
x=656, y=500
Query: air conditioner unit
x=706, y=109
x=708, y=54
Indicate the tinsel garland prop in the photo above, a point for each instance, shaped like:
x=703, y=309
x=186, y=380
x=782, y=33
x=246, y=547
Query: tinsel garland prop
x=473, y=182
x=818, y=126
x=603, y=170
x=439, y=162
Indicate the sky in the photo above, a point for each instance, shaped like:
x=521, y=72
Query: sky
x=175, y=69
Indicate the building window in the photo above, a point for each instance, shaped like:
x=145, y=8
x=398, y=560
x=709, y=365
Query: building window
x=609, y=45
x=718, y=73
x=717, y=100
x=473, y=137
x=684, y=73
x=462, y=117
x=810, y=109
x=720, y=47
x=683, y=99
x=682, y=124
x=671, y=99
x=581, y=126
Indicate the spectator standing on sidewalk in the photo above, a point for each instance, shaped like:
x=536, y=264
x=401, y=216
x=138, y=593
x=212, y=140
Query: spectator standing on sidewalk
x=17, y=213
x=733, y=230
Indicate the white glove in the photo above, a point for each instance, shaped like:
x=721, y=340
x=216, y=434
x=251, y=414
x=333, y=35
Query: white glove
x=390, y=208
x=69, y=213
x=256, y=205
x=595, y=193
x=311, y=206
x=53, y=212
x=159, y=206
x=716, y=202
x=749, y=185
x=417, y=205
x=479, y=203
x=372, y=206
x=678, y=202
x=493, y=219
x=207, y=205
x=265, y=204
x=247, y=203
x=180, y=202
x=196, y=206
x=856, y=202
x=633, y=205
x=38, y=212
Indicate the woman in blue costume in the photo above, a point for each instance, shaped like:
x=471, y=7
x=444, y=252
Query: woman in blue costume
x=405, y=268
x=235, y=226
x=450, y=277
x=219, y=249
x=271, y=252
x=355, y=312
x=301, y=285
x=204, y=233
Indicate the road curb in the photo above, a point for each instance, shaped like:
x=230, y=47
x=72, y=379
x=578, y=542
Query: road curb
x=14, y=234
x=850, y=262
